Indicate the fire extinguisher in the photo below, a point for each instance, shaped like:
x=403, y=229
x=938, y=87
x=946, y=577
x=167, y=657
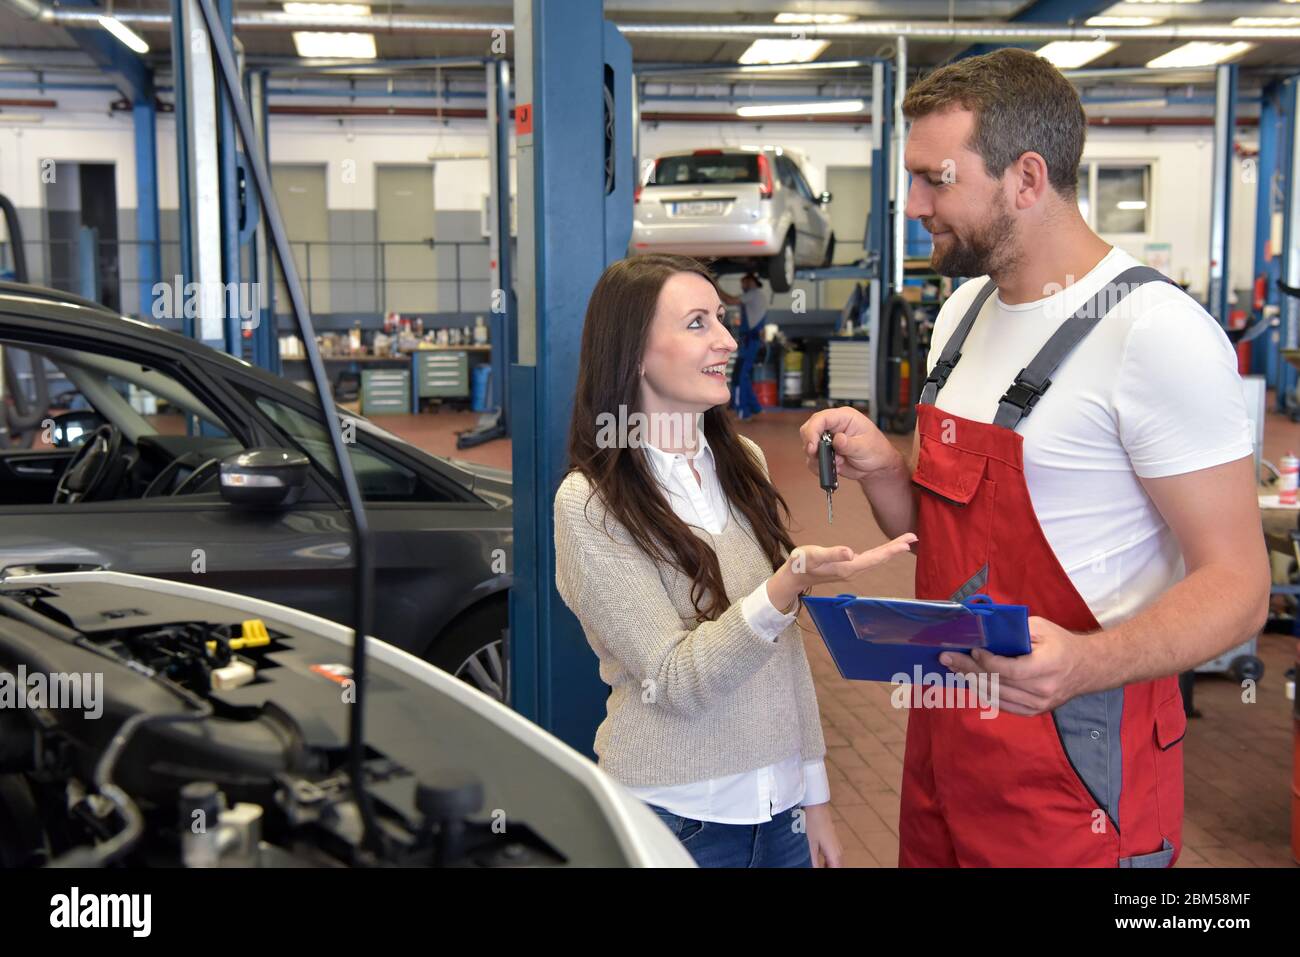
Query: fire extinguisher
x=1261, y=293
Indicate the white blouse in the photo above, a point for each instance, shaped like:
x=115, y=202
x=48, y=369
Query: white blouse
x=751, y=797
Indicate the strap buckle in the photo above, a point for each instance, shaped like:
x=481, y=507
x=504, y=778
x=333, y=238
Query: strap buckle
x=1023, y=395
x=942, y=369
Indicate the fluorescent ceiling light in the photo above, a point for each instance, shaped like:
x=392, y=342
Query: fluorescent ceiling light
x=784, y=51
x=1163, y=1
x=815, y=65
x=1198, y=53
x=1266, y=22
x=356, y=46
x=1154, y=103
x=1123, y=21
x=132, y=40
x=803, y=109
x=1069, y=54
x=814, y=17
x=1131, y=204
x=327, y=9
x=21, y=118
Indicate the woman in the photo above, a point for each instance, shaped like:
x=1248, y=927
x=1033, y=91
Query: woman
x=672, y=551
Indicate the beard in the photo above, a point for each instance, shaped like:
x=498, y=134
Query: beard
x=990, y=249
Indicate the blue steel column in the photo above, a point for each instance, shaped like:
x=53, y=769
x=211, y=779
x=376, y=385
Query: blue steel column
x=1289, y=333
x=880, y=237
x=148, y=255
x=569, y=229
x=503, y=330
x=266, y=340
x=1263, y=354
x=181, y=115
x=229, y=187
x=1225, y=128
x=203, y=174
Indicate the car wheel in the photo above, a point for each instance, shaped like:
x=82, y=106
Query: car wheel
x=1246, y=668
x=473, y=649
x=780, y=268
x=829, y=259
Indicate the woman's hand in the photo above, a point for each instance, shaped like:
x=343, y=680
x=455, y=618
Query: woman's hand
x=810, y=565
x=823, y=843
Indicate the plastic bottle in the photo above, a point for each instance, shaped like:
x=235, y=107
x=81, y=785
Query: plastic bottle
x=1289, y=477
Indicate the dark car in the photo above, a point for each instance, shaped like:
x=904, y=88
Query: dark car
x=133, y=483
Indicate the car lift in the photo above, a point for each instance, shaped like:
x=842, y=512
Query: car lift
x=25, y=414
x=495, y=424
x=893, y=341
x=576, y=172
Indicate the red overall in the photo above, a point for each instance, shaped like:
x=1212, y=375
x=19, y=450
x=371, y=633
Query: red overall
x=1002, y=791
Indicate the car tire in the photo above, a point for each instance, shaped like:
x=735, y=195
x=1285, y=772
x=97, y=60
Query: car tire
x=1246, y=667
x=472, y=648
x=829, y=259
x=780, y=268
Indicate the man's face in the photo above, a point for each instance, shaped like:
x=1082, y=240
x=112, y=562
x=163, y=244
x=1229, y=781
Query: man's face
x=964, y=209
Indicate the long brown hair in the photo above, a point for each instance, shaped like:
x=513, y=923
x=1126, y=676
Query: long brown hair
x=614, y=336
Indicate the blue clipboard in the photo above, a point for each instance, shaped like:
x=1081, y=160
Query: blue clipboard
x=881, y=639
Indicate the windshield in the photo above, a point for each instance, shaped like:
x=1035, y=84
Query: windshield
x=709, y=168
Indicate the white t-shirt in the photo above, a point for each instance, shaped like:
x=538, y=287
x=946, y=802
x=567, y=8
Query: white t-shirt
x=1152, y=391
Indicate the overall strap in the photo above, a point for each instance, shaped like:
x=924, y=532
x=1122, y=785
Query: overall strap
x=952, y=348
x=1035, y=378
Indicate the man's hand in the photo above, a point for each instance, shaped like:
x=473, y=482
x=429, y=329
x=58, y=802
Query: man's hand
x=863, y=454
x=861, y=449
x=1051, y=674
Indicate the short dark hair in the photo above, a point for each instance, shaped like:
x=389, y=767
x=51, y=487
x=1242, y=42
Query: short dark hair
x=1021, y=104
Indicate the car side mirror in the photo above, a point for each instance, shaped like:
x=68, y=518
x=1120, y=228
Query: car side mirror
x=71, y=429
x=824, y=198
x=264, y=478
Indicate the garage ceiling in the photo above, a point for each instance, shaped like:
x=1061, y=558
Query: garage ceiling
x=26, y=40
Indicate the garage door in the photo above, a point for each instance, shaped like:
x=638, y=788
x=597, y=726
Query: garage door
x=300, y=190
x=850, y=189
x=405, y=225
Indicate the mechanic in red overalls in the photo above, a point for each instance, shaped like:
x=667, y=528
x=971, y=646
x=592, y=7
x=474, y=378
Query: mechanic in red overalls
x=1122, y=511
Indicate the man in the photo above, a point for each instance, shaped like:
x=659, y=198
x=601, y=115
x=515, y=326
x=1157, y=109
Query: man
x=1122, y=511
x=753, y=310
x=752, y=300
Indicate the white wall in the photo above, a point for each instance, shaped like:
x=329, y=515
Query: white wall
x=78, y=137
x=1181, y=160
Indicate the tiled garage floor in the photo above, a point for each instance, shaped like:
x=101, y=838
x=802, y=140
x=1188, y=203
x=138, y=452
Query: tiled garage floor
x=1238, y=755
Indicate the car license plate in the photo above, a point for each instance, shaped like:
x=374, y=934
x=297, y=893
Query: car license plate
x=700, y=208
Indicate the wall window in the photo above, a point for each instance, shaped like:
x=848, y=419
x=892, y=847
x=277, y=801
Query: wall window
x=1116, y=198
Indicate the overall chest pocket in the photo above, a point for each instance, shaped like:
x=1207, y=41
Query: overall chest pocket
x=956, y=504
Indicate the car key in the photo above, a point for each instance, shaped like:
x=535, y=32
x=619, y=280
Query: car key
x=826, y=470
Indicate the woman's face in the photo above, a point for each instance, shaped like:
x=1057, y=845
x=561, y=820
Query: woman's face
x=685, y=361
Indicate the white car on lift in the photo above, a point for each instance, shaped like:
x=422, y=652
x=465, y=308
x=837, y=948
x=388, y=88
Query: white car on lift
x=747, y=205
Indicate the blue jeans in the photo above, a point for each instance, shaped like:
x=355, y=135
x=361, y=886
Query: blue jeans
x=778, y=843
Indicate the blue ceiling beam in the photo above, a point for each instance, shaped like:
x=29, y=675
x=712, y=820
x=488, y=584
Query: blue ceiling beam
x=1043, y=11
x=127, y=71
x=133, y=78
